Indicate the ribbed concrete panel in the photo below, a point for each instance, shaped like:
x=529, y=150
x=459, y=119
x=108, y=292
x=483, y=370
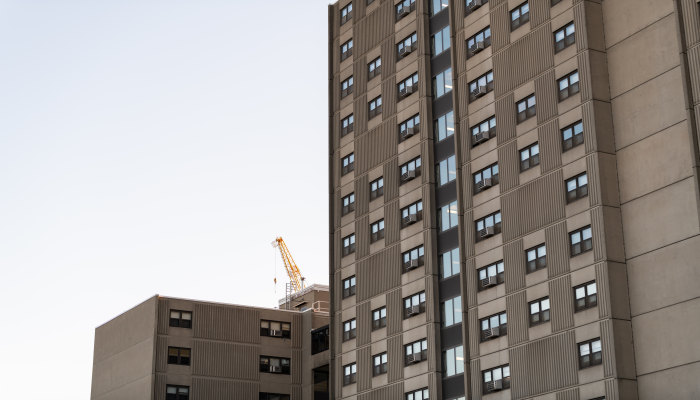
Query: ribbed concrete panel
x=505, y=118
x=428, y=205
x=226, y=323
x=216, y=389
x=514, y=265
x=607, y=342
x=556, y=365
x=364, y=368
x=556, y=240
x=694, y=64
x=594, y=191
x=394, y=391
x=159, y=386
x=474, y=334
x=376, y=146
x=370, y=31
x=364, y=326
x=225, y=360
x=431, y=314
x=361, y=195
x=395, y=358
x=603, y=288
x=522, y=209
x=379, y=273
x=337, y=293
x=296, y=366
x=362, y=236
x=523, y=60
x=590, y=139
x=392, y=226
x=460, y=51
x=164, y=316
x=561, y=297
x=456, y=14
x=389, y=98
x=475, y=367
x=539, y=13
x=581, y=26
x=433, y=351
x=611, y=390
x=338, y=204
x=297, y=331
x=467, y=187
x=584, y=73
x=394, y=312
x=550, y=146
x=691, y=22
x=424, y=83
x=429, y=248
x=337, y=373
x=470, y=282
x=297, y=393
x=359, y=72
x=500, y=26
x=598, y=230
x=516, y=309
x=546, y=95
x=391, y=180
x=335, y=124
x=360, y=124
x=571, y=394
x=161, y=354
x=388, y=56
x=469, y=233
x=508, y=167
x=463, y=97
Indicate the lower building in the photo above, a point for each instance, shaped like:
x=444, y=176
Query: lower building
x=177, y=349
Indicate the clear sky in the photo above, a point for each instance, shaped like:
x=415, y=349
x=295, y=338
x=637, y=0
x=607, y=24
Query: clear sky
x=151, y=147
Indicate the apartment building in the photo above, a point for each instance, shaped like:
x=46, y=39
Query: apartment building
x=176, y=349
x=514, y=203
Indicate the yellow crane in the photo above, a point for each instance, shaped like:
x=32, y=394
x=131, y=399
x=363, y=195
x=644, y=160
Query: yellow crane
x=296, y=281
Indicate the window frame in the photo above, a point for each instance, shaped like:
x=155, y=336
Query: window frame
x=540, y=260
x=379, y=234
x=448, y=216
x=374, y=68
x=349, y=247
x=268, y=331
x=475, y=86
x=409, y=127
x=347, y=125
x=407, y=45
x=590, y=300
x=424, y=394
x=444, y=88
x=456, y=317
x=379, y=323
x=481, y=184
x=573, y=85
x=349, y=378
x=409, y=358
x=349, y=329
x=414, y=308
x=487, y=282
x=374, y=107
x=180, y=321
x=533, y=156
x=472, y=5
x=590, y=359
x=444, y=44
x=480, y=135
x=433, y=12
x=347, y=164
x=479, y=45
x=345, y=14
x=442, y=260
x=403, y=8
x=177, y=395
x=381, y=368
x=346, y=49
x=579, y=191
x=586, y=244
x=447, y=359
x=408, y=264
x=542, y=315
x=448, y=164
x=529, y=111
x=180, y=359
x=490, y=385
x=575, y=139
x=351, y=288
x=408, y=86
x=567, y=39
x=379, y=191
x=484, y=233
x=408, y=219
x=350, y=206
x=522, y=18
x=347, y=86
x=410, y=170
x=490, y=332
x=449, y=125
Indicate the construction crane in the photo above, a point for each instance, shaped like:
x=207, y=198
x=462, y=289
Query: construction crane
x=296, y=281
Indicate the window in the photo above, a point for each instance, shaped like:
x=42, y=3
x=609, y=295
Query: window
x=404, y=8
x=179, y=355
x=581, y=241
x=420, y=394
x=446, y=170
x=348, y=244
x=348, y=164
x=555, y=2
x=525, y=108
x=181, y=319
x=378, y=318
x=473, y=5
x=442, y=83
x=377, y=231
x=406, y=46
x=519, y=16
x=410, y=170
x=536, y=258
x=349, y=374
x=374, y=68
x=176, y=392
x=440, y=41
x=435, y=7
x=445, y=126
x=577, y=187
x=414, y=305
x=480, y=86
x=585, y=296
x=488, y=226
x=320, y=340
x=529, y=157
x=346, y=50
x=411, y=214
x=496, y=379
x=379, y=364
x=416, y=352
x=494, y=326
x=572, y=136
x=345, y=14
x=479, y=42
x=539, y=311
x=376, y=188
x=349, y=330
x=590, y=353
x=349, y=287
x=491, y=275
x=449, y=263
x=275, y=329
x=452, y=311
x=564, y=37
x=408, y=86
x=347, y=125
x=409, y=127
x=412, y=259
x=375, y=107
x=486, y=178
x=568, y=86
x=453, y=361
x=273, y=396
x=448, y=216
x=483, y=131
x=348, y=204
x=346, y=87
x=274, y=365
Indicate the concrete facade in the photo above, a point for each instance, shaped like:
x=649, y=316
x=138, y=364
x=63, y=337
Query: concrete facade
x=637, y=99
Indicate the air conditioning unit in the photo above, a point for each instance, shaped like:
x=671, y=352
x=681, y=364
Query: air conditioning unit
x=480, y=91
x=404, y=12
x=484, y=183
x=406, y=50
x=410, y=219
x=408, y=175
x=413, y=263
x=414, y=358
x=475, y=4
x=477, y=47
x=275, y=368
x=415, y=310
x=486, y=232
x=490, y=281
x=410, y=89
x=497, y=384
x=495, y=331
x=482, y=137
x=275, y=333
x=408, y=132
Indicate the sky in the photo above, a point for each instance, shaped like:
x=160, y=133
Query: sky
x=151, y=147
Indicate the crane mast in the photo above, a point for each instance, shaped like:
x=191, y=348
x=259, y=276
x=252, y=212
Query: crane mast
x=296, y=281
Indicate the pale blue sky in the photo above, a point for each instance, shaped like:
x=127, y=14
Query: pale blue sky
x=151, y=146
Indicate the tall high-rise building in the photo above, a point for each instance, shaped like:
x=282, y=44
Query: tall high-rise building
x=514, y=195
